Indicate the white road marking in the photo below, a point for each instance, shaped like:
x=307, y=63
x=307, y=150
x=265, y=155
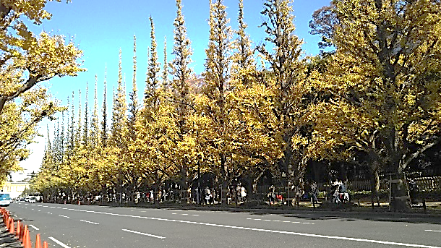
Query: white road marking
x=433, y=231
x=90, y=222
x=185, y=214
x=145, y=234
x=36, y=229
x=59, y=242
x=285, y=221
x=64, y=216
x=195, y=215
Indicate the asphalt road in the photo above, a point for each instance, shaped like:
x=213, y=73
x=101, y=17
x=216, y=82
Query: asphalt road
x=106, y=227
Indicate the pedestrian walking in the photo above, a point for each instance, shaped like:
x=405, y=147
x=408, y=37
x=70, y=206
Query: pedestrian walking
x=314, y=192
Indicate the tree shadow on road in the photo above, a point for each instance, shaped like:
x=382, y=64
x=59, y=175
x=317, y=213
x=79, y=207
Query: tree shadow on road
x=359, y=215
x=307, y=213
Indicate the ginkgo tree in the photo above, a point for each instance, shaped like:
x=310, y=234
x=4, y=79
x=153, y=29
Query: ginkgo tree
x=382, y=85
x=215, y=101
x=27, y=59
x=181, y=71
x=285, y=84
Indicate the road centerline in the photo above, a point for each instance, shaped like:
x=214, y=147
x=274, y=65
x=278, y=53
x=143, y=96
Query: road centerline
x=90, y=222
x=145, y=234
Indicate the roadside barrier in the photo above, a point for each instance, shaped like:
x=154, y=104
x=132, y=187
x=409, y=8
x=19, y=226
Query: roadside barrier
x=21, y=232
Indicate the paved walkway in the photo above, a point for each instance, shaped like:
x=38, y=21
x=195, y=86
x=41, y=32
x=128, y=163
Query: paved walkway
x=6, y=239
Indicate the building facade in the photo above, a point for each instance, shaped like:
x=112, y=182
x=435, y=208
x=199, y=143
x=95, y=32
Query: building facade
x=14, y=188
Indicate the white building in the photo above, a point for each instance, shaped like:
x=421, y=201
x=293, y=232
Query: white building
x=14, y=188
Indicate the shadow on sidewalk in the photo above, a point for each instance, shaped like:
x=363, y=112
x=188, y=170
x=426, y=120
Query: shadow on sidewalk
x=8, y=240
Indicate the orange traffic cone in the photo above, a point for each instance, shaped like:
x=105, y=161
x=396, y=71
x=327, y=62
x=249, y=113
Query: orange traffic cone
x=20, y=236
x=45, y=245
x=28, y=240
x=24, y=238
x=37, y=241
x=11, y=226
x=17, y=233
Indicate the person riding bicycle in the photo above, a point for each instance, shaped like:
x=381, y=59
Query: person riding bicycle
x=340, y=192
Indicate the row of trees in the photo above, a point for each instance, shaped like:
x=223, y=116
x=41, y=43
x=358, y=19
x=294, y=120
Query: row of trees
x=376, y=93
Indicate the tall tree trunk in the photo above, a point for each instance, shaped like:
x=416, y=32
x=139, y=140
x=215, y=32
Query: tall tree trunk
x=399, y=194
x=224, y=179
x=184, y=182
x=375, y=187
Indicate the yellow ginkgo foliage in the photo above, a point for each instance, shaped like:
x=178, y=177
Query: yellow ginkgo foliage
x=27, y=59
x=380, y=90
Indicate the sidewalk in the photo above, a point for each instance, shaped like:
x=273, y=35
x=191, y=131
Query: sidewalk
x=6, y=239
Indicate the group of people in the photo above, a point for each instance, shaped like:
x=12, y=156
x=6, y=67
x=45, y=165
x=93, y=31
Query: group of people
x=208, y=195
x=309, y=191
x=241, y=193
x=338, y=193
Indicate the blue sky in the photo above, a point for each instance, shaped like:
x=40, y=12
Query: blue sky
x=102, y=27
